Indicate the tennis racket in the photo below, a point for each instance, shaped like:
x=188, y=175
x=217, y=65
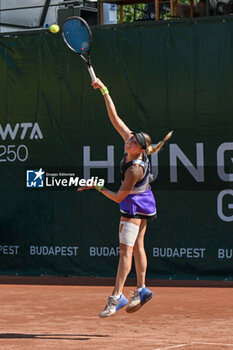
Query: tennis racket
x=78, y=37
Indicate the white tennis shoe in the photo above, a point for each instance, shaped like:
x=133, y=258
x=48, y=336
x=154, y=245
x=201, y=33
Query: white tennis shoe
x=113, y=305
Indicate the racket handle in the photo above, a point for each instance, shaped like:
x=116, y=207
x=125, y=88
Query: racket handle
x=92, y=73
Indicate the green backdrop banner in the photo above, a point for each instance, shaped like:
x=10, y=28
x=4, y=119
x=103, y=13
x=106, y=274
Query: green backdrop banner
x=55, y=132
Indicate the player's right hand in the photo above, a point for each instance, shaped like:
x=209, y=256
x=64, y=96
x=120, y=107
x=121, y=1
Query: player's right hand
x=97, y=84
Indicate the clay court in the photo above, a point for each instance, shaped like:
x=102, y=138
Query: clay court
x=36, y=316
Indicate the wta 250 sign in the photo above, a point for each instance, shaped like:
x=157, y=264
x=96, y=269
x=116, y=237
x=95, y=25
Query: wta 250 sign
x=19, y=152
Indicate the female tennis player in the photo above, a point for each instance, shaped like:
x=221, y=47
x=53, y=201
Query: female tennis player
x=137, y=206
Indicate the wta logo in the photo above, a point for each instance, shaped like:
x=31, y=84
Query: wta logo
x=21, y=130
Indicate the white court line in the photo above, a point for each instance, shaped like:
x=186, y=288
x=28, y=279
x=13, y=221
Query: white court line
x=220, y=344
x=197, y=343
x=173, y=347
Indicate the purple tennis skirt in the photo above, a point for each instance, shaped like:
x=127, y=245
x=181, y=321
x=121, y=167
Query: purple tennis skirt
x=140, y=205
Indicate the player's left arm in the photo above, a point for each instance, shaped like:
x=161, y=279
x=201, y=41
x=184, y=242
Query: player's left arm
x=132, y=175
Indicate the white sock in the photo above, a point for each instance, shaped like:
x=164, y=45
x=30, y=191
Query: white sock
x=139, y=289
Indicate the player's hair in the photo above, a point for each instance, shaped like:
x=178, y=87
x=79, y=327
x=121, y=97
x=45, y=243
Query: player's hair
x=153, y=149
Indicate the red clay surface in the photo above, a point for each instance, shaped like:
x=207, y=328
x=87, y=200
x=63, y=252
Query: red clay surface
x=66, y=317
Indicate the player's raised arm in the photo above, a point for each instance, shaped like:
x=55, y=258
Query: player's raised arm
x=116, y=121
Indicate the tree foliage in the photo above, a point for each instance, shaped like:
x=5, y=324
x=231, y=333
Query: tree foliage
x=131, y=13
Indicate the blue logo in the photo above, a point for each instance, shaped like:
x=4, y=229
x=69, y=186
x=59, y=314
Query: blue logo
x=35, y=178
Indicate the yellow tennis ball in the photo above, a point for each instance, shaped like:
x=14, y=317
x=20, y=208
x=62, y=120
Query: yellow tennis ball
x=54, y=28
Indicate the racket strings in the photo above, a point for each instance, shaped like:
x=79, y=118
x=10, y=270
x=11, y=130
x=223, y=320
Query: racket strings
x=77, y=35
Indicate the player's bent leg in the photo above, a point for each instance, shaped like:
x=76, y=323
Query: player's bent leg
x=140, y=258
x=142, y=295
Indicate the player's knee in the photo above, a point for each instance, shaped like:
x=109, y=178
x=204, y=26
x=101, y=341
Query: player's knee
x=138, y=250
x=125, y=252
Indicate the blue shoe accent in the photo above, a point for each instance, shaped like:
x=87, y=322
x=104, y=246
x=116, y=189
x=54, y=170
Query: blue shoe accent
x=145, y=295
x=138, y=299
x=121, y=302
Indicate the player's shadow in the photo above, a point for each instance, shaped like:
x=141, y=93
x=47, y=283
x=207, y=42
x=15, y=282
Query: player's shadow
x=51, y=336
